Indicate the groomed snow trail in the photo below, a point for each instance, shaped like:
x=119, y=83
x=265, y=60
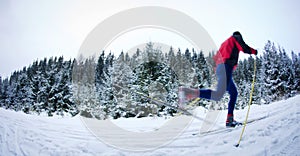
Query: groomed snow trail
x=278, y=132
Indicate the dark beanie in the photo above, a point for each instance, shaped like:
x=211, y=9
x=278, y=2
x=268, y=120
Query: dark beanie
x=237, y=33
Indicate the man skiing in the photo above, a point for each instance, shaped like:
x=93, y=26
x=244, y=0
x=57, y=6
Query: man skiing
x=226, y=61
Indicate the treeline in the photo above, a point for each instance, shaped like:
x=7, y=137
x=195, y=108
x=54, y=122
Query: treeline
x=43, y=87
x=277, y=77
x=110, y=87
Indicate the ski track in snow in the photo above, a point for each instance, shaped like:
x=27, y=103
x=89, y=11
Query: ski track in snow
x=276, y=134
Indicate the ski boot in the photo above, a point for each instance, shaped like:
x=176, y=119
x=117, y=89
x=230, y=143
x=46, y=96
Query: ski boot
x=187, y=94
x=230, y=122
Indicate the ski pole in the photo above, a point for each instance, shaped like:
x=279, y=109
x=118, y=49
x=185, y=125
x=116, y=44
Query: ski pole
x=250, y=101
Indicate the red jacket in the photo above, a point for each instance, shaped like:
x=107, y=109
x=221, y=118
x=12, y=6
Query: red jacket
x=229, y=51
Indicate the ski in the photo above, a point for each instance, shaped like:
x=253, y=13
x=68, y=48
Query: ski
x=225, y=129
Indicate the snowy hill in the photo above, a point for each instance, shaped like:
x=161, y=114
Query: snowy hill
x=277, y=132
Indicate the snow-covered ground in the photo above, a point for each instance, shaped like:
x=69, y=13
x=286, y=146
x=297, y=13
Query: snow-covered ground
x=277, y=132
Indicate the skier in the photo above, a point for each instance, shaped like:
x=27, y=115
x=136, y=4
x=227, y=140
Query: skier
x=226, y=61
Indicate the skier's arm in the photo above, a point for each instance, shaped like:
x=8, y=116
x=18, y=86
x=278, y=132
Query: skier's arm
x=242, y=46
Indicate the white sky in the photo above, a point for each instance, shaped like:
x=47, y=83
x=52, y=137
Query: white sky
x=34, y=29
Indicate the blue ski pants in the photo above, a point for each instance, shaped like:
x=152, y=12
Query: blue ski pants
x=225, y=83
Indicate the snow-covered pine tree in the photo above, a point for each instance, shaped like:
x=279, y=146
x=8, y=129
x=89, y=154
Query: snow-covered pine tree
x=171, y=58
x=286, y=75
x=99, y=72
x=51, y=88
x=210, y=61
x=184, y=70
x=57, y=89
x=153, y=77
x=145, y=74
x=172, y=63
x=89, y=96
x=296, y=71
x=204, y=79
x=68, y=90
x=166, y=88
x=101, y=77
x=194, y=81
x=78, y=84
x=5, y=86
x=249, y=73
x=136, y=59
x=25, y=91
x=188, y=55
x=84, y=89
x=127, y=59
x=194, y=57
x=1, y=92
x=240, y=80
x=63, y=97
x=196, y=65
x=32, y=78
x=13, y=100
x=259, y=81
x=271, y=72
x=123, y=76
x=107, y=99
x=43, y=85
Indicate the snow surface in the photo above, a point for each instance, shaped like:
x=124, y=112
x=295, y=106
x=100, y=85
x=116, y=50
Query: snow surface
x=278, y=132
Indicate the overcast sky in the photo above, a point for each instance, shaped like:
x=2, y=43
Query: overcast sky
x=34, y=29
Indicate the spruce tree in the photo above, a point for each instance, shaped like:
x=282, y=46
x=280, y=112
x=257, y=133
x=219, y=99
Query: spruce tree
x=25, y=92
x=296, y=71
x=286, y=75
x=259, y=81
x=99, y=71
x=13, y=100
x=43, y=85
x=5, y=100
x=122, y=77
x=204, y=76
x=1, y=92
x=271, y=72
